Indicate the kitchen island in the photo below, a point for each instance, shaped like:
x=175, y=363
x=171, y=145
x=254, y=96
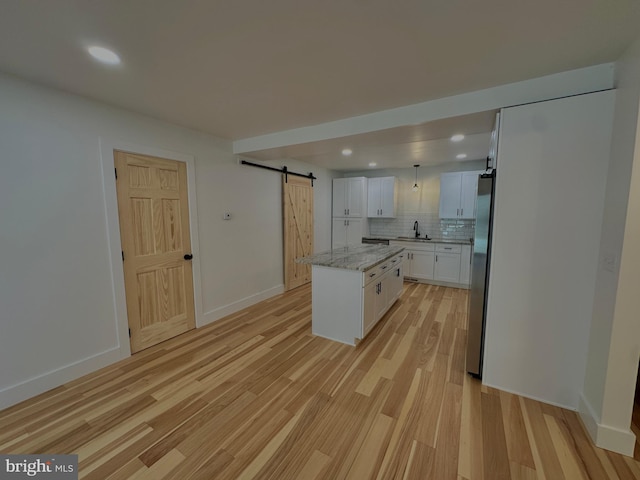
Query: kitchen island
x=352, y=288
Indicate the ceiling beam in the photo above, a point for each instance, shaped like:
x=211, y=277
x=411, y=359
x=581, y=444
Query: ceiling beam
x=573, y=82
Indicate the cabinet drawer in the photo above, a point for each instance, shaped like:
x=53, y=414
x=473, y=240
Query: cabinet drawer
x=370, y=275
x=448, y=248
x=395, y=261
x=378, y=271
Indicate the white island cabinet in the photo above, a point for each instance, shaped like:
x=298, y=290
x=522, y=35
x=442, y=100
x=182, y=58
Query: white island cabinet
x=352, y=289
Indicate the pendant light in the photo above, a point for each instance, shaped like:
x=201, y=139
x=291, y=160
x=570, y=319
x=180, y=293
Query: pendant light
x=415, y=185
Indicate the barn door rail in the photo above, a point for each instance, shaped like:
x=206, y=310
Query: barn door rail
x=281, y=170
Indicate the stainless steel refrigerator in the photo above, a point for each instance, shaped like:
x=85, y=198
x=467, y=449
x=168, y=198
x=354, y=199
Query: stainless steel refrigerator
x=480, y=274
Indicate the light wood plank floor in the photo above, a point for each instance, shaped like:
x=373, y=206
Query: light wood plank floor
x=255, y=395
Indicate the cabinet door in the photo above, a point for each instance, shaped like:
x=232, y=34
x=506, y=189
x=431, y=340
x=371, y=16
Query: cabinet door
x=450, y=185
x=373, y=197
x=447, y=267
x=339, y=233
x=369, y=307
x=340, y=197
x=422, y=264
x=354, y=231
x=396, y=283
x=465, y=265
x=387, y=197
x=355, y=197
x=468, y=194
x=406, y=263
x=381, y=298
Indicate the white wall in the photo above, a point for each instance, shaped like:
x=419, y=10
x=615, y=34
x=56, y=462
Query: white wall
x=549, y=201
x=59, y=294
x=614, y=343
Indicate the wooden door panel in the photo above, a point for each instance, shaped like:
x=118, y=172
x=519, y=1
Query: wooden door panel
x=154, y=228
x=148, y=298
x=142, y=224
x=168, y=179
x=298, y=229
x=139, y=176
x=172, y=234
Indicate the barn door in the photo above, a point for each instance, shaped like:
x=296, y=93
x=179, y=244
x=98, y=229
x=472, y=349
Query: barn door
x=154, y=230
x=298, y=229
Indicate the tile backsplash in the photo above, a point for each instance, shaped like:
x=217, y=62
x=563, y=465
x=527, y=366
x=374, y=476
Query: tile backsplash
x=429, y=223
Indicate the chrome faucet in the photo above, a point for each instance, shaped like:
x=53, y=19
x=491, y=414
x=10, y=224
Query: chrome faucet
x=416, y=228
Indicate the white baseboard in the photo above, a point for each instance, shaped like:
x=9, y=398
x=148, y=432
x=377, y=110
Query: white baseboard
x=34, y=386
x=40, y=384
x=464, y=286
x=604, y=436
x=220, y=312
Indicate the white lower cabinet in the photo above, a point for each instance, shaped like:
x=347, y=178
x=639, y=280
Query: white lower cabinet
x=447, y=265
x=422, y=263
x=439, y=263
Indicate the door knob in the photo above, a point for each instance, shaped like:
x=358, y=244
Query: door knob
x=188, y=256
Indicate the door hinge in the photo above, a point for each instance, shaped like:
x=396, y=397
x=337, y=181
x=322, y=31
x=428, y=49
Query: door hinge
x=129, y=333
x=122, y=255
x=115, y=170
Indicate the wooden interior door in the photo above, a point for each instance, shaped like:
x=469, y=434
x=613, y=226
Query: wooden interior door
x=298, y=229
x=154, y=230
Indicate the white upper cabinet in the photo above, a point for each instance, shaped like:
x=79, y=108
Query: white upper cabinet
x=349, y=197
x=450, y=186
x=468, y=194
x=381, y=197
x=458, y=194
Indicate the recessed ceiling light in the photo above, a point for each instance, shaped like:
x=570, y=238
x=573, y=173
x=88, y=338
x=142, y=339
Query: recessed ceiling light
x=347, y=151
x=457, y=137
x=104, y=55
x=460, y=156
x=372, y=164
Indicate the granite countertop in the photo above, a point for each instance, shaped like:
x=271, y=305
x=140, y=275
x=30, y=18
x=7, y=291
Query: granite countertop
x=356, y=257
x=424, y=240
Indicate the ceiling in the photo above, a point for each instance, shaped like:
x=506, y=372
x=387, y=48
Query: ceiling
x=402, y=147
x=238, y=69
